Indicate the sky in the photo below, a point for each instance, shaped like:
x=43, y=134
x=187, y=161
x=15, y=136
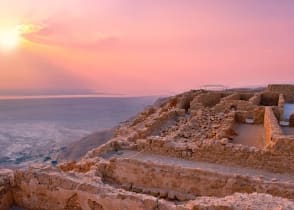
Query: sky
x=147, y=47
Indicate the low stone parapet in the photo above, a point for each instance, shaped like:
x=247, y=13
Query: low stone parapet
x=221, y=151
x=185, y=182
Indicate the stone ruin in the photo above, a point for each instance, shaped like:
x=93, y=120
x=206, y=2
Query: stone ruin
x=291, y=121
x=196, y=150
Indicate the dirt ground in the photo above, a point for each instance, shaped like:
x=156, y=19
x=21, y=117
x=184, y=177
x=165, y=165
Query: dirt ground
x=249, y=135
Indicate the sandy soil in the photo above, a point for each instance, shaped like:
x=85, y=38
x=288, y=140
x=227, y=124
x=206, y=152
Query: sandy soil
x=249, y=135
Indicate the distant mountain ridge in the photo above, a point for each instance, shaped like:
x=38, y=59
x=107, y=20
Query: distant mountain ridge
x=36, y=92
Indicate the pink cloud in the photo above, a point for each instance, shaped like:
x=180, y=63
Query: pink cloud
x=146, y=47
x=69, y=36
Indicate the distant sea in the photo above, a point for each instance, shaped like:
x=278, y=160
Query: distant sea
x=31, y=128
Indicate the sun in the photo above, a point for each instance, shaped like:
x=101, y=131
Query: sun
x=9, y=38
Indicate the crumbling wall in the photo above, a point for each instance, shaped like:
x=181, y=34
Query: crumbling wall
x=243, y=109
x=284, y=144
x=235, y=104
x=183, y=183
x=47, y=190
x=233, y=96
x=221, y=151
x=6, y=200
x=246, y=96
x=275, y=139
x=269, y=99
x=209, y=99
x=271, y=126
x=257, y=115
x=281, y=106
x=256, y=99
x=287, y=90
x=185, y=99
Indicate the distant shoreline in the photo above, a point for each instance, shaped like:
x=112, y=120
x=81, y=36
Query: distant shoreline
x=70, y=96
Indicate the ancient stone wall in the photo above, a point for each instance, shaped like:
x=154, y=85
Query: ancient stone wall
x=275, y=139
x=244, y=109
x=234, y=96
x=281, y=106
x=256, y=99
x=257, y=115
x=246, y=96
x=269, y=99
x=281, y=101
x=284, y=144
x=235, y=104
x=181, y=183
x=271, y=126
x=6, y=178
x=287, y=90
x=41, y=189
x=49, y=188
x=222, y=152
x=207, y=99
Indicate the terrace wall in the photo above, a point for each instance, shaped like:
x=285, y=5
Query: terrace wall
x=183, y=183
x=42, y=189
x=218, y=151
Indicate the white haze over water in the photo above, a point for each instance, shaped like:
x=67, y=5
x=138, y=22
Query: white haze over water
x=32, y=129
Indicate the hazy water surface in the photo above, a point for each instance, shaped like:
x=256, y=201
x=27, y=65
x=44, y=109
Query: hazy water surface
x=288, y=110
x=31, y=129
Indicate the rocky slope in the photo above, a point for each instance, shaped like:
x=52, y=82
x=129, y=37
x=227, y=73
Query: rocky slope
x=178, y=154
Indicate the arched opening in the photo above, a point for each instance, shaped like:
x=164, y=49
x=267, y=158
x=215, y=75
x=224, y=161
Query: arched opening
x=233, y=108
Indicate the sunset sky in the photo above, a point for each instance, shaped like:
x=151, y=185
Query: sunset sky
x=145, y=47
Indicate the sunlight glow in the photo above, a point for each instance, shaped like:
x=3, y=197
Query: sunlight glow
x=9, y=38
